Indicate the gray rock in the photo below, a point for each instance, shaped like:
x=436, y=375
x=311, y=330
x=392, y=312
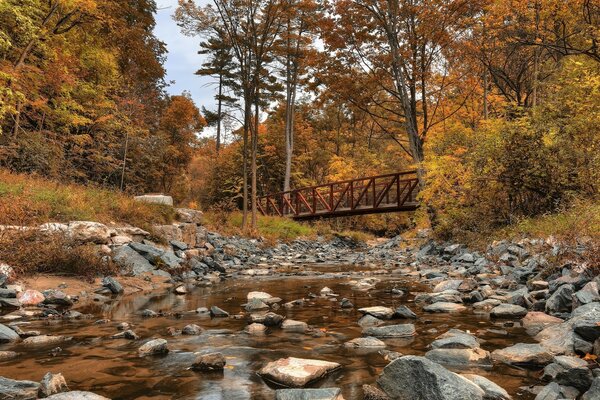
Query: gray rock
x=569, y=371
x=378, y=312
x=155, y=199
x=455, y=339
x=77, y=395
x=365, y=342
x=593, y=392
x=460, y=357
x=88, y=232
x=452, y=284
x=308, y=394
x=391, y=331
x=128, y=334
x=369, y=320
x=535, y=322
x=588, y=294
x=52, y=384
x=191, y=329
x=291, y=325
x=492, y=390
x=417, y=378
x=404, y=312
x=256, y=329
x=7, y=334
x=444, y=307
x=256, y=304
x=45, y=340
x=130, y=261
x=553, y=391
x=561, y=301
x=209, y=362
x=508, y=311
x=217, y=312
x=57, y=297
x=267, y=319
x=11, y=389
x=112, y=284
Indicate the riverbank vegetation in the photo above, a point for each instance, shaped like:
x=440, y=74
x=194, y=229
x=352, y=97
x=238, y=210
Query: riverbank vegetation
x=497, y=109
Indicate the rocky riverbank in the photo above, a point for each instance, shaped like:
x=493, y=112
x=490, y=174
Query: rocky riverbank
x=538, y=286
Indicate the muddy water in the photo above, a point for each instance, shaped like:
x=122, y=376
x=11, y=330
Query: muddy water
x=92, y=361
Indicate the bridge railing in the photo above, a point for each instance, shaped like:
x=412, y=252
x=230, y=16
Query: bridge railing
x=369, y=194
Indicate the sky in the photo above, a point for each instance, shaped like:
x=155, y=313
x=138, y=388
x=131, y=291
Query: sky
x=183, y=58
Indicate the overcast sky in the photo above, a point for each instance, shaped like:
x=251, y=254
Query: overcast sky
x=183, y=58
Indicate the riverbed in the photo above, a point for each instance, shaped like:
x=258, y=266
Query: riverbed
x=111, y=367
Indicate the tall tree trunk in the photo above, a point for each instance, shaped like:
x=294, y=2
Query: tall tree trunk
x=485, y=94
x=219, y=113
x=254, y=170
x=247, y=112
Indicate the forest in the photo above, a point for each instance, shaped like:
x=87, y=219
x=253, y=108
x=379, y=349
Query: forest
x=495, y=104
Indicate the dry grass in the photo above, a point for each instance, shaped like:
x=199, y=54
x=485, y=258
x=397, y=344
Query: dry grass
x=30, y=200
x=29, y=252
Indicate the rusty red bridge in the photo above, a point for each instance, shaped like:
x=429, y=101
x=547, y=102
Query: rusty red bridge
x=370, y=195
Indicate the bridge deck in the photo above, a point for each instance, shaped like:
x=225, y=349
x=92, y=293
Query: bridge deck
x=371, y=195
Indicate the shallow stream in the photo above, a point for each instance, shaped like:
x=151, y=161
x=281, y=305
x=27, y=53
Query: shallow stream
x=111, y=367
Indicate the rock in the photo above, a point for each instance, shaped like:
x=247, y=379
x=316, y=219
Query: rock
x=444, y=307
x=88, y=232
x=256, y=329
x=588, y=294
x=455, y=339
x=369, y=320
x=554, y=391
x=209, y=362
x=390, y=331
x=291, y=325
x=296, y=372
x=561, y=301
x=178, y=245
x=404, y=312
x=180, y=290
x=326, y=291
x=30, y=298
x=378, y=312
x=9, y=302
x=365, y=342
x=155, y=199
x=189, y=215
x=191, y=329
x=593, y=392
x=508, y=311
x=7, y=334
x=309, y=394
x=152, y=347
x=452, y=284
x=52, y=384
x=217, y=312
x=417, y=378
x=147, y=313
x=258, y=295
x=535, y=321
x=11, y=389
x=77, y=395
x=130, y=261
x=8, y=355
x=460, y=357
x=112, y=284
x=53, y=296
x=44, y=340
x=569, y=371
x=486, y=304
x=345, y=303
x=256, y=304
x=371, y=392
x=128, y=334
x=523, y=354
x=492, y=390
x=268, y=319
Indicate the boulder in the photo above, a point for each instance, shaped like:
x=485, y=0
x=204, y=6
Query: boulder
x=191, y=329
x=553, y=391
x=256, y=304
x=128, y=334
x=217, y=312
x=309, y=394
x=365, y=342
x=291, y=325
x=455, y=339
x=452, y=284
x=112, y=284
x=11, y=389
x=588, y=294
x=536, y=321
x=7, y=334
x=460, y=357
x=209, y=362
x=404, y=312
x=152, y=347
x=593, y=392
x=88, y=232
x=378, y=312
x=256, y=329
x=492, y=390
x=52, y=384
x=569, y=371
x=189, y=215
x=30, y=298
x=258, y=295
x=369, y=320
x=508, y=311
x=391, y=331
x=523, y=354
x=297, y=372
x=155, y=199
x=444, y=307
x=77, y=395
x=417, y=378
x=130, y=261
x=57, y=297
x=561, y=300
x=45, y=340
x=268, y=319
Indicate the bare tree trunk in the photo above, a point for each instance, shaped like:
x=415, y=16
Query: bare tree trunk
x=124, y=159
x=254, y=171
x=219, y=113
x=247, y=111
x=485, y=94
